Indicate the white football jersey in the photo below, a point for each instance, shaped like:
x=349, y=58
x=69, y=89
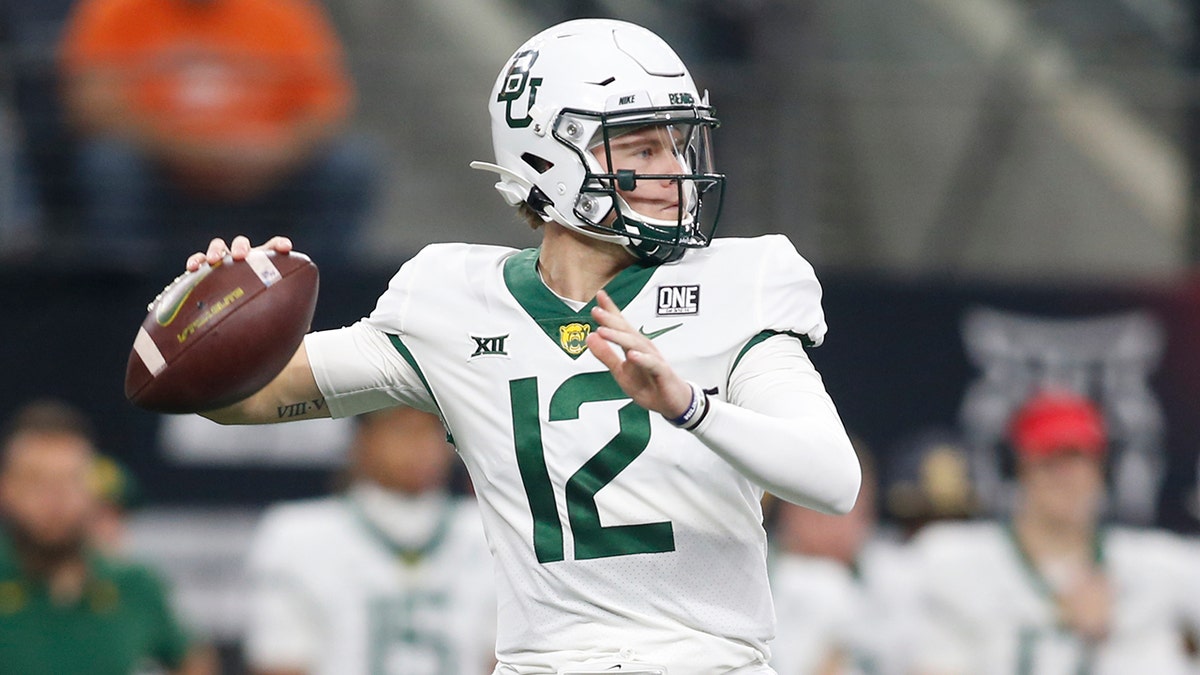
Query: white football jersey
x=332, y=594
x=990, y=612
x=617, y=536
x=867, y=614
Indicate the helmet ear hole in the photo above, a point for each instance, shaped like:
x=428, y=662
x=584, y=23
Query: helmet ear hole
x=539, y=164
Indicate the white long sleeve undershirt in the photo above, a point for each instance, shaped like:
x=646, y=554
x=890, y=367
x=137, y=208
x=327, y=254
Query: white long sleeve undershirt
x=781, y=430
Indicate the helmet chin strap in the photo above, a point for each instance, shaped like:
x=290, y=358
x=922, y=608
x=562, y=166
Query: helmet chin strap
x=610, y=238
x=686, y=221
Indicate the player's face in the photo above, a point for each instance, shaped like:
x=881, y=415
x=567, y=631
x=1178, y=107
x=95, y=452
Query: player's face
x=1066, y=487
x=647, y=150
x=404, y=450
x=46, y=491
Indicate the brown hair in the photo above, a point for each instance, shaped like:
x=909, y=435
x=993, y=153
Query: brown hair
x=533, y=218
x=47, y=416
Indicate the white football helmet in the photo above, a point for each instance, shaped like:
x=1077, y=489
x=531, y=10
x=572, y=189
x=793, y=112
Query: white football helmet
x=573, y=88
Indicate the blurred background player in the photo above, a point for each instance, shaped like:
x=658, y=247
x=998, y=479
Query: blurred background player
x=117, y=494
x=393, y=578
x=1055, y=591
x=198, y=112
x=65, y=608
x=927, y=478
x=843, y=590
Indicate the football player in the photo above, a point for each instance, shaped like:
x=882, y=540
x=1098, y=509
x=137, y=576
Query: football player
x=1054, y=591
x=393, y=577
x=621, y=395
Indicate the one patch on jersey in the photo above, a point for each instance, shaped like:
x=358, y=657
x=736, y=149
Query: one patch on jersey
x=573, y=337
x=677, y=300
x=493, y=345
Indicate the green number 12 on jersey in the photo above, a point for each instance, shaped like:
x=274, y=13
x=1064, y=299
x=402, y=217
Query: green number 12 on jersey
x=591, y=539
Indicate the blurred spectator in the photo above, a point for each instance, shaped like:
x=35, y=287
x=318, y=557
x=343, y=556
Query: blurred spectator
x=201, y=116
x=844, y=593
x=1054, y=591
x=66, y=609
x=395, y=577
x=117, y=494
x=928, y=479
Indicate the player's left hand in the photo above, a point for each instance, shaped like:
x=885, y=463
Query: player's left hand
x=643, y=373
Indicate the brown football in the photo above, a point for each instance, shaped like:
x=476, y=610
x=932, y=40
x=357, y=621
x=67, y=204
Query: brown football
x=217, y=335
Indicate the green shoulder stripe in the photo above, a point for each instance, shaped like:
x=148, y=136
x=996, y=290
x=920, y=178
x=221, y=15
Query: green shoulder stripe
x=412, y=361
x=752, y=342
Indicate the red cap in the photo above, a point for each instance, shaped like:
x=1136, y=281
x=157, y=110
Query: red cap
x=1055, y=421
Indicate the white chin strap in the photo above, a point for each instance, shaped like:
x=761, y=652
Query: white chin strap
x=654, y=222
x=594, y=234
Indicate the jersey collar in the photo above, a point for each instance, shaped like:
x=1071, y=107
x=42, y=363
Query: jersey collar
x=18, y=589
x=409, y=555
x=566, y=327
x=1030, y=567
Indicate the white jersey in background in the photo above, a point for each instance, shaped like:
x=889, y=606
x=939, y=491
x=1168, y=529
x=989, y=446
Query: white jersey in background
x=333, y=593
x=866, y=614
x=817, y=603
x=617, y=536
x=990, y=612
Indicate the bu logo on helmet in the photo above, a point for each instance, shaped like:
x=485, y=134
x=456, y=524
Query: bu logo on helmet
x=515, y=83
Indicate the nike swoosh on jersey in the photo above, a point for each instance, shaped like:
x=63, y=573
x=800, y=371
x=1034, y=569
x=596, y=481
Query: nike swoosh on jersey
x=656, y=333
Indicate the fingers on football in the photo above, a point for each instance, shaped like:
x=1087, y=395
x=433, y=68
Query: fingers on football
x=278, y=244
x=217, y=249
x=240, y=247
